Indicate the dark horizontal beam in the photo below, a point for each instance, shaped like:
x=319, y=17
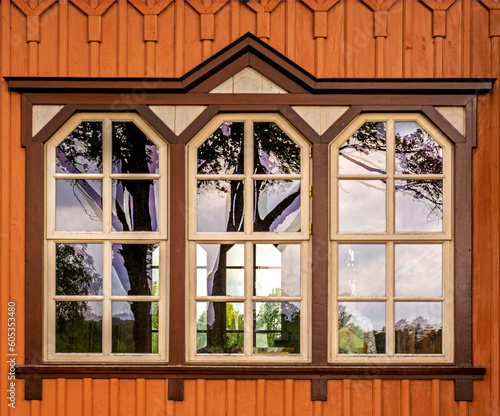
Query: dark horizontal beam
x=473, y=86
x=253, y=372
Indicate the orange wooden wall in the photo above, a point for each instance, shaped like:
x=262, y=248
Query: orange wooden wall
x=329, y=38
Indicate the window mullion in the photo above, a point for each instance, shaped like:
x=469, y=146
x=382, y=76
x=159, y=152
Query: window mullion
x=390, y=189
x=390, y=281
x=106, y=169
x=106, y=304
x=249, y=276
x=248, y=185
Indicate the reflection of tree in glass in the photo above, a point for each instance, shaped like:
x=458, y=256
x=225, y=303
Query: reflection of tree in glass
x=131, y=154
x=416, y=153
x=418, y=337
x=274, y=152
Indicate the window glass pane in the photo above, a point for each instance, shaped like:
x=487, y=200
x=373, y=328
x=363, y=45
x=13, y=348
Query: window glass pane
x=277, y=205
x=419, y=327
x=220, y=206
x=78, y=205
x=419, y=269
x=361, y=206
x=220, y=327
x=222, y=152
x=416, y=151
x=81, y=150
x=79, y=326
x=419, y=205
x=135, y=327
x=135, y=269
x=274, y=151
x=135, y=205
x=277, y=270
x=276, y=327
x=133, y=152
x=361, y=328
x=361, y=269
x=365, y=151
x=78, y=269
x=220, y=270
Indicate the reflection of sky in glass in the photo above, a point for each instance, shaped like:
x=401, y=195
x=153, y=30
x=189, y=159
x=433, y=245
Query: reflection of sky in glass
x=81, y=151
x=282, y=195
x=429, y=313
x=419, y=205
x=361, y=270
x=365, y=151
x=78, y=205
x=146, y=197
x=130, y=143
x=359, y=322
x=213, y=207
x=277, y=153
x=221, y=152
x=361, y=206
x=416, y=151
x=145, y=264
x=75, y=256
x=208, y=262
x=418, y=269
x=277, y=270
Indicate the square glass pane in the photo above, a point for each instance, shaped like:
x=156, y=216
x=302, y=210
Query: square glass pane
x=79, y=327
x=362, y=206
x=78, y=269
x=81, y=150
x=78, y=205
x=419, y=327
x=361, y=270
x=416, y=152
x=134, y=327
x=135, y=269
x=220, y=327
x=221, y=153
x=274, y=151
x=276, y=327
x=277, y=206
x=277, y=270
x=133, y=152
x=419, y=205
x=361, y=328
x=365, y=151
x=220, y=206
x=135, y=205
x=419, y=270
x=220, y=270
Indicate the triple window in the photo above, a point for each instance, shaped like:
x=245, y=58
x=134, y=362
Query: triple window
x=249, y=258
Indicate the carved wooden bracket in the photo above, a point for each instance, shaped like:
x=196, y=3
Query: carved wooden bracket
x=263, y=8
x=94, y=11
x=494, y=7
x=438, y=8
x=33, y=17
x=380, y=9
x=150, y=9
x=207, y=10
x=320, y=9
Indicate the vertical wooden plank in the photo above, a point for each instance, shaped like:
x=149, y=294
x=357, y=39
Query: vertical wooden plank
x=246, y=394
x=405, y=398
x=346, y=397
x=215, y=397
x=463, y=409
x=48, y=404
x=62, y=52
x=155, y=397
x=466, y=37
x=165, y=47
x=422, y=42
x=288, y=397
x=277, y=28
x=408, y=38
x=420, y=397
x=235, y=19
x=480, y=45
x=362, y=397
x=200, y=397
x=108, y=48
x=192, y=42
x=222, y=24
x=48, y=47
x=135, y=43
x=74, y=397
x=100, y=398
x=290, y=29
x=248, y=20
x=335, y=42
x=61, y=397
x=302, y=397
x=274, y=397
x=305, y=46
x=377, y=397
x=188, y=405
x=334, y=404
x=78, y=47
x=436, y=397
x=18, y=55
x=23, y=407
x=122, y=38
x=32, y=59
x=140, y=395
x=453, y=42
x=114, y=396
x=349, y=49
x=87, y=397
x=394, y=43
x=391, y=397
x=126, y=396
x=179, y=38
x=231, y=397
x=449, y=407
x=35, y=408
x=261, y=397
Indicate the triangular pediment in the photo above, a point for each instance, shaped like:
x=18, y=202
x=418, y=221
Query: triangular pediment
x=248, y=81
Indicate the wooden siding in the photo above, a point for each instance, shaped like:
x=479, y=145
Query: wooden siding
x=327, y=38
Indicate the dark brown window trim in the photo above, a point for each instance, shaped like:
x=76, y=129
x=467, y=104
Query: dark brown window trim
x=380, y=95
